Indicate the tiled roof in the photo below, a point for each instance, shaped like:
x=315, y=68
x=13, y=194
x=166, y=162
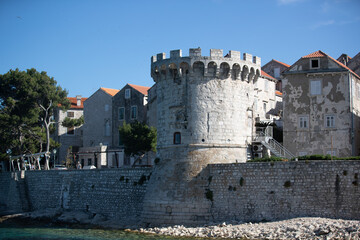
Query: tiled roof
x=286, y=65
x=267, y=75
x=142, y=89
x=110, y=91
x=278, y=93
x=73, y=103
x=322, y=54
x=344, y=66
x=315, y=54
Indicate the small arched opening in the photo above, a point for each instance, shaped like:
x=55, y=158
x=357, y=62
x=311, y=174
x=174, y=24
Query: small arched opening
x=251, y=75
x=236, y=71
x=163, y=71
x=212, y=69
x=224, y=70
x=198, y=68
x=177, y=138
x=245, y=73
x=184, y=69
x=173, y=70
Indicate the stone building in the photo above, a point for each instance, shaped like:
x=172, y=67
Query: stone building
x=69, y=136
x=97, y=128
x=321, y=107
x=354, y=64
x=274, y=68
x=206, y=110
x=129, y=105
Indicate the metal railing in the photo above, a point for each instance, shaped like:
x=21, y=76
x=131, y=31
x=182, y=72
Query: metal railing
x=266, y=139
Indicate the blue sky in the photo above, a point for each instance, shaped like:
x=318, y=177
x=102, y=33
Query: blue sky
x=88, y=44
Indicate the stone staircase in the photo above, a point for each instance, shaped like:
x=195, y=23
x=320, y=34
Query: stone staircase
x=274, y=146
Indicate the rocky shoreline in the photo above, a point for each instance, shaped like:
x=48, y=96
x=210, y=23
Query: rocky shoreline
x=296, y=228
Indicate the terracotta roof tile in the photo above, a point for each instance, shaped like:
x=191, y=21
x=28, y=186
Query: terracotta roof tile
x=278, y=93
x=322, y=54
x=315, y=54
x=73, y=103
x=286, y=65
x=267, y=75
x=110, y=91
x=142, y=89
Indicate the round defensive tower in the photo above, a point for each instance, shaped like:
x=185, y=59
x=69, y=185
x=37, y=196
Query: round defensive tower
x=204, y=116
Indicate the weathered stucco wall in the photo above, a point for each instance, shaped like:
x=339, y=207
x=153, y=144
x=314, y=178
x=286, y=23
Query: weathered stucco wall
x=219, y=192
x=333, y=99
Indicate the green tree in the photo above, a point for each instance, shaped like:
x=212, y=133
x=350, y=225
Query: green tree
x=72, y=122
x=27, y=103
x=138, y=138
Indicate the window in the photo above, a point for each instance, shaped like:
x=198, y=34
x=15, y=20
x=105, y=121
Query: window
x=303, y=153
x=315, y=87
x=303, y=122
x=329, y=121
x=266, y=85
x=177, y=138
x=127, y=93
x=107, y=107
x=133, y=112
x=70, y=131
x=70, y=114
x=276, y=72
x=314, y=63
x=264, y=106
x=107, y=128
x=331, y=152
x=121, y=113
x=89, y=161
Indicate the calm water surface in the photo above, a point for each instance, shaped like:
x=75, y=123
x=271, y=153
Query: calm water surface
x=36, y=232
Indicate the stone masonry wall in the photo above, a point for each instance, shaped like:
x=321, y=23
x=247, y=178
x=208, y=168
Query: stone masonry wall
x=115, y=193
x=224, y=192
x=281, y=190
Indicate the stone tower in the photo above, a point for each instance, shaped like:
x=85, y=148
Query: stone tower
x=204, y=116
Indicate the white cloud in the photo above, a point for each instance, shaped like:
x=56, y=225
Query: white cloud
x=325, y=7
x=322, y=24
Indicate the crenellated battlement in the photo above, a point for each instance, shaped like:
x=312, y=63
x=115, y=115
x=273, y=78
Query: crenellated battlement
x=214, y=53
x=214, y=66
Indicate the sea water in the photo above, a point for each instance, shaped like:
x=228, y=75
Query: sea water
x=15, y=231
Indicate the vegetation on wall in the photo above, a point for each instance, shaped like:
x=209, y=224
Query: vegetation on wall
x=302, y=158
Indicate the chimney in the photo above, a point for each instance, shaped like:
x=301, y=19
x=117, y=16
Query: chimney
x=78, y=100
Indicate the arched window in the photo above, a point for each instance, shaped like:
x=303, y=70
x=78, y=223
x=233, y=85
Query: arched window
x=245, y=73
x=177, y=138
x=198, y=68
x=212, y=69
x=184, y=69
x=163, y=71
x=224, y=70
x=236, y=71
x=173, y=70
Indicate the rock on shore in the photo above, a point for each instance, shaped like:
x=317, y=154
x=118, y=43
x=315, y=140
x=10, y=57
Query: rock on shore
x=297, y=228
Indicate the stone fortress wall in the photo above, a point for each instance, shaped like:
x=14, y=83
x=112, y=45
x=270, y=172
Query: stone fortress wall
x=239, y=191
x=208, y=100
x=205, y=118
x=205, y=115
